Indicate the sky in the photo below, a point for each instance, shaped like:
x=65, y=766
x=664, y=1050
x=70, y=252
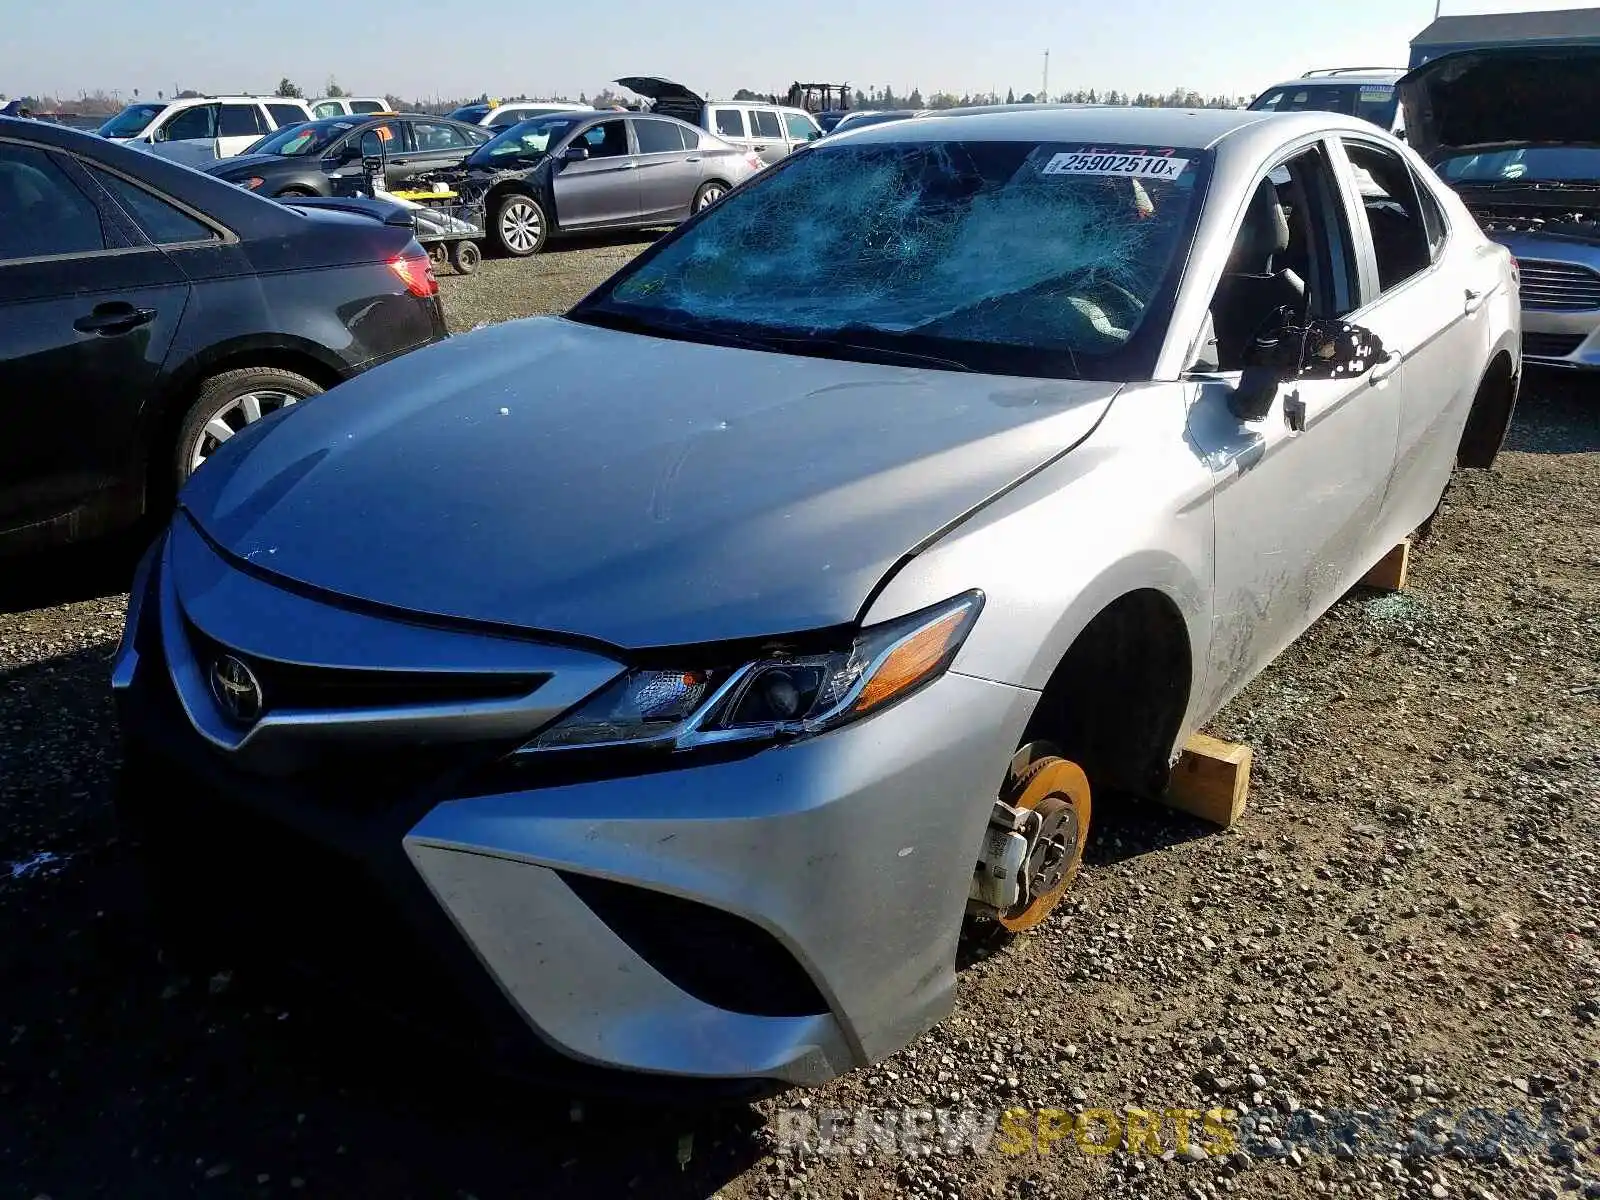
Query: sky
x=422, y=48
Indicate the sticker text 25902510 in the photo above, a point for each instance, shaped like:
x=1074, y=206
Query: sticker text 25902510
x=1142, y=166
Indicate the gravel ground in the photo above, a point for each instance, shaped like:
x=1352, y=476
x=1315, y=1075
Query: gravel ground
x=1401, y=931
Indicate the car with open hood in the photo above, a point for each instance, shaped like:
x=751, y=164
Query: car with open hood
x=577, y=172
x=1512, y=130
x=660, y=687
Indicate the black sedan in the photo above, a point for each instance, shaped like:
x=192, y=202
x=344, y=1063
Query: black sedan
x=149, y=313
x=323, y=158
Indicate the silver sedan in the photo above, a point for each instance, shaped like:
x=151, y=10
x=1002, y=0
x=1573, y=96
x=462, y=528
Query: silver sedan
x=666, y=683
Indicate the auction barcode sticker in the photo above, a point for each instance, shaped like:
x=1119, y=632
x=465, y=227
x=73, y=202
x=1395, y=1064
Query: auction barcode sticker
x=1142, y=166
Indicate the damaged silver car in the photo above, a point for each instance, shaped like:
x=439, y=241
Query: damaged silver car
x=660, y=687
x=1512, y=130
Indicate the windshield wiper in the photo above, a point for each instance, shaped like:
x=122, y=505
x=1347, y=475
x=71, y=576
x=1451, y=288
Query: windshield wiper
x=845, y=342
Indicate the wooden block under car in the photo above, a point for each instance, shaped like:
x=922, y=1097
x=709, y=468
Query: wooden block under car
x=1390, y=573
x=1211, y=780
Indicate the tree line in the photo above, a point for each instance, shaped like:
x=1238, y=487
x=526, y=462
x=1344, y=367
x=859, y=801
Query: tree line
x=105, y=102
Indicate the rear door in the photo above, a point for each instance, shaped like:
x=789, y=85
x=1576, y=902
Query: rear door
x=766, y=135
x=604, y=188
x=88, y=310
x=669, y=169
x=239, y=126
x=432, y=146
x=729, y=125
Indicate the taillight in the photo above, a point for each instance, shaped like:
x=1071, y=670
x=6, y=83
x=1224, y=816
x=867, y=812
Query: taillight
x=753, y=160
x=416, y=274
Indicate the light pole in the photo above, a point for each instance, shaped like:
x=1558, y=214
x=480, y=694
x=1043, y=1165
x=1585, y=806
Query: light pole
x=1044, y=91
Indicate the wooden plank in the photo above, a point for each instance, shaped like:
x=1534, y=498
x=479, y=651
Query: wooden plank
x=1211, y=780
x=1390, y=573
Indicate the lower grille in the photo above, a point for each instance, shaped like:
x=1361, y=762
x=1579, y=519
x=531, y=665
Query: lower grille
x=1550, y=345
x=1558, y=287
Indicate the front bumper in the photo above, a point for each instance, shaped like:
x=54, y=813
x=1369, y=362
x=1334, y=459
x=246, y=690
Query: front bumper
x=781, y=917
x=1560, y=299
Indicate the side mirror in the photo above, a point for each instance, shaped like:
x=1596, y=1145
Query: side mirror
x=576, y=154
x=1289, y=348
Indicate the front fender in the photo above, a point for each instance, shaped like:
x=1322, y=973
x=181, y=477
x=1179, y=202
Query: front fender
x=1128, y=510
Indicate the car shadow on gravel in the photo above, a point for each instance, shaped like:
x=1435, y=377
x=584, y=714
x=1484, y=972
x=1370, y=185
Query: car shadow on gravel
x=1558, y=412
x=124, y=1074
x=83, y=571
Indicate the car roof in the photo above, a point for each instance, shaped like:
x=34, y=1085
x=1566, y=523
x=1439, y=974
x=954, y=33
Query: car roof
x=1340, y=75
x=1193, y=127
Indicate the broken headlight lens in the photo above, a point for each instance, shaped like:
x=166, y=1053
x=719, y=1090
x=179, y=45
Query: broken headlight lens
x=770, y=698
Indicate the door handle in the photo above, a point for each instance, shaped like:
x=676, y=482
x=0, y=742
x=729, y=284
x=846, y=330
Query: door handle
x=1294, y=412
x=1475, y=298
x=110, y=319
x=1381, y=371
x=759, y=148
x=696, y=158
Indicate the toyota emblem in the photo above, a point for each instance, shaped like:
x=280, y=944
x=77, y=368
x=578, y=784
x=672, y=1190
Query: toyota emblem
x=236, y=689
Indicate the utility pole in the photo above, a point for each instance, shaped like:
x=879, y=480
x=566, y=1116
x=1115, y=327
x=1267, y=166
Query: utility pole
x=1044, y=90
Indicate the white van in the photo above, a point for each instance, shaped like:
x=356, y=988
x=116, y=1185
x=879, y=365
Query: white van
x=348, y=106
x=203, y=128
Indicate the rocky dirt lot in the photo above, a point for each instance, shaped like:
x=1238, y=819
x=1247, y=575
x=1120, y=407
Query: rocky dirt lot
x=1382, y=983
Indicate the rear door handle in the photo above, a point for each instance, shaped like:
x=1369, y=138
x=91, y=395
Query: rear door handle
x=696, y=158
x=1475, y=299
x=111, y=319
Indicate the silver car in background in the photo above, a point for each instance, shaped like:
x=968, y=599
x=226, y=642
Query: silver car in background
x=663, y=685
x=577, y=172
x=1511, y=129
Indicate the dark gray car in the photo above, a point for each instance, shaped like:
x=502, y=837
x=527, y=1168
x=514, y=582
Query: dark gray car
x=572, y=172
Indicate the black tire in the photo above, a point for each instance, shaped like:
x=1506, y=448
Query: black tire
x=439, y=254
x=709, y=193
x=519, y=227
x=465, y=257
x=225, y=397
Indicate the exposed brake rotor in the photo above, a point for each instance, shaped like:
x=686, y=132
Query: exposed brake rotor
x=1056, y=791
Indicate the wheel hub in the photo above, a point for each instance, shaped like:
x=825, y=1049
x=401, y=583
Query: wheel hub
x=233, y=417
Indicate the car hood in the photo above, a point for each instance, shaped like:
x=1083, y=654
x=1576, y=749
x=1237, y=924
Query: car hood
x=653, y=87
x=247, y=164
x=555, y=476
x=1508, y=95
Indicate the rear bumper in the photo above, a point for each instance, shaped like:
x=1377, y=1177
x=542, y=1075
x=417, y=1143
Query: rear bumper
x=773, y=919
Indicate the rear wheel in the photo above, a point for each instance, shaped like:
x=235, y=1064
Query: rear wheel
x=709, y=194
x=230, y=402
x=519, y=227
x=290, y=193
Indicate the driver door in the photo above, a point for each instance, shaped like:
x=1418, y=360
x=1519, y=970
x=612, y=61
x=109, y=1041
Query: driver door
x=602, y=189
x=1297, y=493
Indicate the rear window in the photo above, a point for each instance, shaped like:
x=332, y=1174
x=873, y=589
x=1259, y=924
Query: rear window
x=328, y=108
x=286, y=114
x=1013, y=257
x=368, y=106
x=730, y=122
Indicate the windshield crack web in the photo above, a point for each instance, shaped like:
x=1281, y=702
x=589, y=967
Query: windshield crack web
x=973, y=241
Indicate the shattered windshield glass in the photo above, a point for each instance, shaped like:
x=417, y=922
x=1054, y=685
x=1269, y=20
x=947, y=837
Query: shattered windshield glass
x=1008, y=257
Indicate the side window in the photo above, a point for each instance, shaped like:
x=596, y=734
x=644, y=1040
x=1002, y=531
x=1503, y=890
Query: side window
x=382, y=138
x=366, y=106
x=285, y=114
x=765, y=123
x=42, y=211
x=328, y=108
x=730, y=122
x=1293, y=250
x=197, y=122
x=657, y=137
x=163, y=224
x=507, y=118
x=1432, y=217
x=1392, y=211
x=241, y=120
x=800, y=127
x=606, y=140
x=436, y=139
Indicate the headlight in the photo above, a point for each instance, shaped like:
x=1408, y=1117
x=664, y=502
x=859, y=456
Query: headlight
x=771, y=698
